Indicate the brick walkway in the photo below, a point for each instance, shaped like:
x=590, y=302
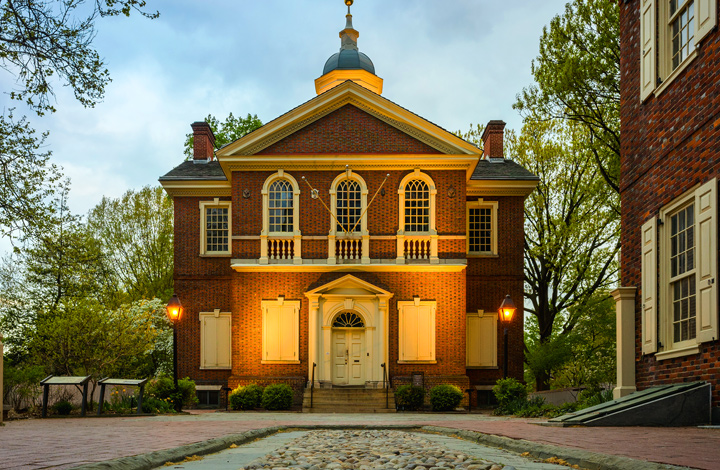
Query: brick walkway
x=64, y=443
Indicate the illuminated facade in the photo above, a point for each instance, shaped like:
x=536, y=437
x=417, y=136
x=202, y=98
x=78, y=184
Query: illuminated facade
x=349, y=234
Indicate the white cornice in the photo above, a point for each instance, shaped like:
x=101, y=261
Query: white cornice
x=500, y=187
x=241, y=265
x=197, y=188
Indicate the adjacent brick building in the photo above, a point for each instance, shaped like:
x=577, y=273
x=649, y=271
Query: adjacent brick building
x=348, y=240
x=670, y=160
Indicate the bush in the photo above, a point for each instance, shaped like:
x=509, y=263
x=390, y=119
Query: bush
x=63, y=407
x=409, y=397
x=163, y=387
x=156, y=405
x=593, y=397
x=509, y=390
x=277, y=397
x=21, y=385
x=445, y=397
x=248, y=397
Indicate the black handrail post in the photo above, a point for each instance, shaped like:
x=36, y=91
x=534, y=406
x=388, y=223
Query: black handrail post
x=312, y=384
x=386, y=386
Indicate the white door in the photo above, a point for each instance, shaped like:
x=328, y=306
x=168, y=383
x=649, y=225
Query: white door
x=349, y=357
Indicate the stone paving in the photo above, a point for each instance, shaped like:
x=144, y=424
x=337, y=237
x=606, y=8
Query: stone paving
x=66, y=443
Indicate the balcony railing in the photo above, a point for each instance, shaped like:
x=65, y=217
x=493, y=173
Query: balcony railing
x=412, y=248
x=348, y=249
x=280, y=249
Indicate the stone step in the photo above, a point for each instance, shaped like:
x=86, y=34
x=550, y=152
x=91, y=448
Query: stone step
x=349, y=400
x=335, y=409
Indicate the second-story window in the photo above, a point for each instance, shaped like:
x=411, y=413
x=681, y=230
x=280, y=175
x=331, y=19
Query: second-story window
x=417, y=206
x=280, y=207
x=349, y=206
x=682, y=29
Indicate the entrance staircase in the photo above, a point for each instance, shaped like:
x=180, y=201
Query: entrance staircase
x=348, y=400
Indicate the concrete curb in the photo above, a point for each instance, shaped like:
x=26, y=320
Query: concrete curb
x=579, y=457
x=584, y=459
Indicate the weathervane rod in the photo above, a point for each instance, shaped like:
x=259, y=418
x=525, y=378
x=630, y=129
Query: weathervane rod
x=316, y=193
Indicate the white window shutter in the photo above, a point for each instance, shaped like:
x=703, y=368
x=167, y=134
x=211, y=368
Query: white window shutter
x=207, y=342
x=271, y=334
x=705, y=18
x=648, y=69
x=481, y=338
x=224, y=341
x=425, y=333
x=649, y=286
x=706, y=212
x=287, y=333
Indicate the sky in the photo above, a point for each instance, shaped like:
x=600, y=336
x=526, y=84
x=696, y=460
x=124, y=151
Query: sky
x=454, y=62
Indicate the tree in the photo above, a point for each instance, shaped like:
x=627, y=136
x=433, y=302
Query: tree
x=577, y=78
x=44, y=43
x=135, y=233
x=571, y=231
x=226, y=132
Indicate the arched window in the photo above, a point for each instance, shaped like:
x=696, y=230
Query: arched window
x=349, y=206
x=417, y=206
x=280, y=207
x=348, y=320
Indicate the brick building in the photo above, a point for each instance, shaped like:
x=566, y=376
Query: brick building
x=351, y=235
x=670, y=159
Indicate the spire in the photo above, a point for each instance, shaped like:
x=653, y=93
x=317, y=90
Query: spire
x=349, y=36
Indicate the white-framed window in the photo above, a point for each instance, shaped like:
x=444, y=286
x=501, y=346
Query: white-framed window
x=348, y=200
x=481, y=217
x=417, y=331
x=417, y=204
x=679, y=267
x=280, y=331
x=481, y=339
x=215, y=231
x=280, y=239
x=670, y=30
x=215, y=340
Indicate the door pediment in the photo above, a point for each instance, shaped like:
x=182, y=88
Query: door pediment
x=348, y=285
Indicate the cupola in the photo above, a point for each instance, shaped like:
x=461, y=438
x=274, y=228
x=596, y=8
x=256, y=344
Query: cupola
x=349, y=63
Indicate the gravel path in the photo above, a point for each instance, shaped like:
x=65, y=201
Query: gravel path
x=366, y=450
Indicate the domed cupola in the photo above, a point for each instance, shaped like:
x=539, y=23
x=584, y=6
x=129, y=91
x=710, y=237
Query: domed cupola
x=349, y=63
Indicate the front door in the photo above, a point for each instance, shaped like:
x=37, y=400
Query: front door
x=349, y=356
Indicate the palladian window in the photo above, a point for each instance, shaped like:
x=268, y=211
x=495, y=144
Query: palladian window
x=280, y=207
x=417, y=206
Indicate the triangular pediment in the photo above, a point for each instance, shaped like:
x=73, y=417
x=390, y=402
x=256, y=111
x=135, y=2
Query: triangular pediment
x=429, y=137
x=348, y=285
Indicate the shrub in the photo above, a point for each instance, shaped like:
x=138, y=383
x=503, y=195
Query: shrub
x=593, y=397
x=156, y=405
x=248, y=397
x=163, y=387
x=409, y=397
x=445, y=397
x=63, y=407
x=277, y=397
x=509, y=390
x=21, y=385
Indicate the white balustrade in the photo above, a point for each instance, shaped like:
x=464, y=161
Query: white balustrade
x=418, y=248
x=348, y=249
x=280, y=248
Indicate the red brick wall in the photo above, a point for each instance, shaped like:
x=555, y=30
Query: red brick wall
x=669, y=143
x=348, y=130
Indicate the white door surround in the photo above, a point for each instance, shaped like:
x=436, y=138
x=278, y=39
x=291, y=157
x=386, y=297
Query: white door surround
x=368, y=346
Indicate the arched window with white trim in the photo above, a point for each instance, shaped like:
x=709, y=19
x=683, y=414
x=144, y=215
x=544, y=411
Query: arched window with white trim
x=280, y=239
x=417, y=234
x=348, y=240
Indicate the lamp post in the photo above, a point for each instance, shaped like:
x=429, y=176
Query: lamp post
x=174, y=312
x=506, y=310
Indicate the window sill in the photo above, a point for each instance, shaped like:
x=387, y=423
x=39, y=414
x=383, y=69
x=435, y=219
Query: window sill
x=279, y=362
x=670, y=78
x=216, y=368
x=673, y=353
x=216, y=255
x=482, y=367
x=483, y=255
x=417, y=362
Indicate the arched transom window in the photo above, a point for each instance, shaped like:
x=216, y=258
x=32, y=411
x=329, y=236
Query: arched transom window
x=280, y=207
x=349, y=206
x=348, y=320
x=417, y=206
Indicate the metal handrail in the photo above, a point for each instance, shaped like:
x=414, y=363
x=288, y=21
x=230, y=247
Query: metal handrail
x=312, y=384
x=386, y=386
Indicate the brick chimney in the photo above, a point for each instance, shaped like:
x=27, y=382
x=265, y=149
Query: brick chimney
x=493, y=139
x=203, y=141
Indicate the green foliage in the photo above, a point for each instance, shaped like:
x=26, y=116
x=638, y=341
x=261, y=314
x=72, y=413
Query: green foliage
x=277, y=397
x=445, y=397
x=163, y=387
x=247, y=397
x=21, y=385
x=509, y=390
x=63, y=407
x=577, y=78
x=409, y=397
x=135, y=234
x=225, y=132
x=594, y=396
x=473, y=135
x=156, y=405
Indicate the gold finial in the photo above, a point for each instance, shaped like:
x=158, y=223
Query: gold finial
x=348, y=2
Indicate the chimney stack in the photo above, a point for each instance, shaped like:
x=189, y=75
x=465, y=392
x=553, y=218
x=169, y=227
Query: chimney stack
x=203, y=141
x=493, y=139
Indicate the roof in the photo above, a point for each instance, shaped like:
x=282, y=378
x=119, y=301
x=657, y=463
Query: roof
x=501, y=169
x=189, y=170
x=349, y=59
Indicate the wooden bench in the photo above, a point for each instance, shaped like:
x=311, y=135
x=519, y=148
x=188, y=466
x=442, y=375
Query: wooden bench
x=124, y=383
x=52, y=380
